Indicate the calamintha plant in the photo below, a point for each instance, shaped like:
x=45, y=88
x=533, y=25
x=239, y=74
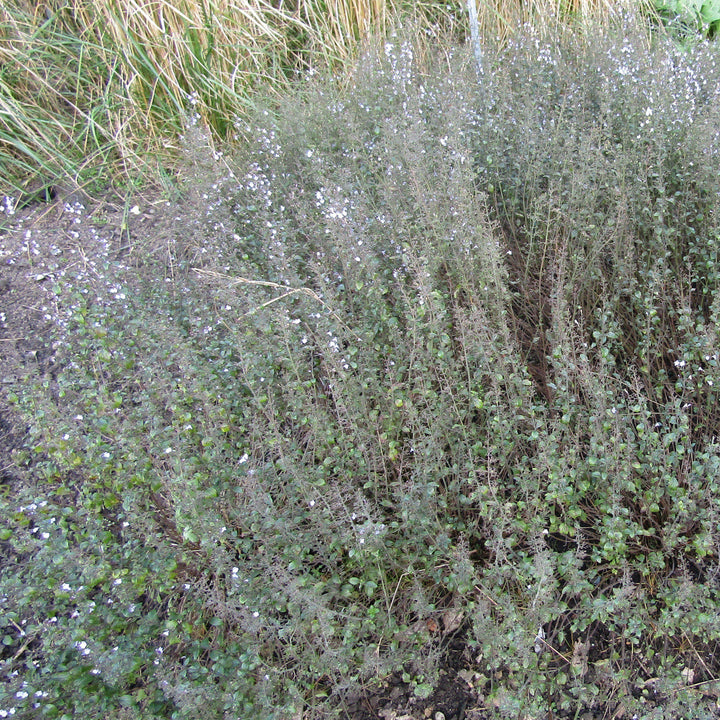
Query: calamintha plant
x=425, y=366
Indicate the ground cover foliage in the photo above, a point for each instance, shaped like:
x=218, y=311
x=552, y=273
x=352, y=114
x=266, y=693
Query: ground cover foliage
x=433, y=359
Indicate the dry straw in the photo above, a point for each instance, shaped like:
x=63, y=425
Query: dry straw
x=286, y=291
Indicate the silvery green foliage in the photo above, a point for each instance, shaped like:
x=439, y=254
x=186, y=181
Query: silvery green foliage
x=414, y=360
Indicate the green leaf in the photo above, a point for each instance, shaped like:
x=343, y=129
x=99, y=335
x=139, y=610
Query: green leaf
x=370, y=588
x=710, y=11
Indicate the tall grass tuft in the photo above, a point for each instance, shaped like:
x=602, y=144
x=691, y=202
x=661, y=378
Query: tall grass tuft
x=504, y=19
x=60, y=112
x=91, y=88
